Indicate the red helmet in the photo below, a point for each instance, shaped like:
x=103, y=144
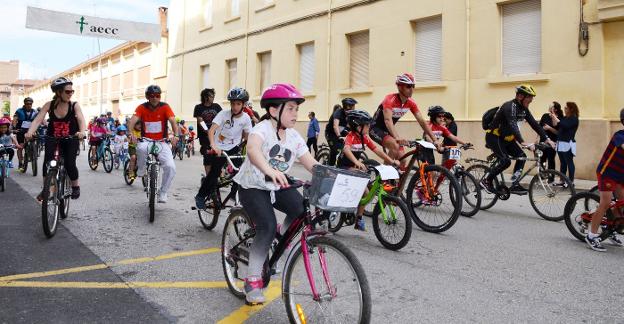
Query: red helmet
x=405, y=78
x=280, y=93
x=5, y=121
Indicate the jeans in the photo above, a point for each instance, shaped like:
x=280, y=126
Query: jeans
x=567, y=164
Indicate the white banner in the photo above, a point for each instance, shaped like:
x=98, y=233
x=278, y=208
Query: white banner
x=67, y=23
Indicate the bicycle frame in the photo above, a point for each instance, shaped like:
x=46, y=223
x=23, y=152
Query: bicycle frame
x=616, y=219
x=429, y=189
x=377, y=190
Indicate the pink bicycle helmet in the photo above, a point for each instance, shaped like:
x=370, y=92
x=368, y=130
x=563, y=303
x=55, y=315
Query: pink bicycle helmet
x=5, y=121
x=279, y=94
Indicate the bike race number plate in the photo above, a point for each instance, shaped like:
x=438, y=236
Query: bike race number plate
x=347, y=191
x=426, y=144
x=387, y=172
x=454, y=154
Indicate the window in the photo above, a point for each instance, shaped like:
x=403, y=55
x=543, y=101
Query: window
x=128, y=53
x=522, y=37
x=94, y=88
x=358, y=55
x=205, y=76
x=115, y=83
x=234, y=8
x=306, y=67
x=428, y=51
x=265, y=70
x=105, y=86
x=144, y=76
x=128, y=82
x=232, y=74
x=207, y=13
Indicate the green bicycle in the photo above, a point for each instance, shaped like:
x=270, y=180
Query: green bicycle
x=391, y=217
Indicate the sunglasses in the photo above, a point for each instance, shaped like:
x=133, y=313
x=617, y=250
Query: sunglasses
x=153, y=95
x=69, y=92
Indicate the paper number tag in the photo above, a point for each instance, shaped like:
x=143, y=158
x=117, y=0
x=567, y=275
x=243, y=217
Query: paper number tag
x=387, y=172
x=347, y=191
x=455, y=154
x=426, y=144
x=153, y=127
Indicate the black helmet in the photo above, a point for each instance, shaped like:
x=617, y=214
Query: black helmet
x=238, y=94
x=449, y=116
x=28, y=99
x=59, y=83
x=348, y=101
x=435, y=111
x=152, y=89
x=357, y=118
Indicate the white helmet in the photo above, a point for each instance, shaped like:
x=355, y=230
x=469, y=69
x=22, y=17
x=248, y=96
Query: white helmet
x=59, y=83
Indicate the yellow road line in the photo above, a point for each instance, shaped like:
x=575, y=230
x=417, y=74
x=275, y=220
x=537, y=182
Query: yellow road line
x=114, y=285
x=105, y=266
x=242, y=314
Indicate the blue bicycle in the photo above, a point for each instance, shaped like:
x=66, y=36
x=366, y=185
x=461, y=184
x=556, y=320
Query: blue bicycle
x=4, y=164
x=102, y=153
x=120, y=158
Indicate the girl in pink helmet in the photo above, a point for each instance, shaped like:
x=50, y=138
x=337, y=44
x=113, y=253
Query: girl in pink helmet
x=272, y=148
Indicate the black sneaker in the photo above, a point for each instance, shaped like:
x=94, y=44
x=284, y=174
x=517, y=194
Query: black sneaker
x=615, y=239
x=594, y=244
x=518, y=190
x=487, y=186
x=75, y=192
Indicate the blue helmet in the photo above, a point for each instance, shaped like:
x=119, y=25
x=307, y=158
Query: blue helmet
x=191, y=127
x=122, y=128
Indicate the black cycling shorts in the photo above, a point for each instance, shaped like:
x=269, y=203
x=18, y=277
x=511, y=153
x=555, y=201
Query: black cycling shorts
x=377, y=134
x=21, y=136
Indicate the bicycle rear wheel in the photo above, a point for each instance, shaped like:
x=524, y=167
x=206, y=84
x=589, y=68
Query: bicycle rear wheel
x=64, y=195
x=339, y=280
x=25, y=161
x=547, y=200
x=471, y=191
x=50, y=205
x=153, y=182
x=478, y=171
x=395, y=231
x=210, y=216
x=107, y=160
x=334, y=221
x=438, y=212
x=234, y=254
x=323, y=157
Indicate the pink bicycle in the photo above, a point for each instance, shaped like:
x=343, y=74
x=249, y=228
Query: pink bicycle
x=322, y=281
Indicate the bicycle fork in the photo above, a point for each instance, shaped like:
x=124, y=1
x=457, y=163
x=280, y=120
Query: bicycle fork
x=308, y=267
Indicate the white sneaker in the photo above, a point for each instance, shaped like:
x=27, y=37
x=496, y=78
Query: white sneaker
x=162, y=197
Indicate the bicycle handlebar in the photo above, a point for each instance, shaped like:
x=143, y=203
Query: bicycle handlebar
x=292, y=182
x=228, y=158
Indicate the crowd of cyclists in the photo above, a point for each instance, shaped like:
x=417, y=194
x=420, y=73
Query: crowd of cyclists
x=271, y=146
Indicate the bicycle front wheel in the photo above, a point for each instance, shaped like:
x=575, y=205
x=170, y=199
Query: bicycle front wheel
x=2, y=175
x=126, y=173
x=50, y=205
x=25, y=161
x=433, y=203
x=210, y=216
x=153, y=182
x=395, y=229
x=64, y=195
x=471, y=192
x=92, y=158
x=33, y=158
x=578, y=210
x=342, y=291
x=548, y=200
x=478, y=171
x=108, y=160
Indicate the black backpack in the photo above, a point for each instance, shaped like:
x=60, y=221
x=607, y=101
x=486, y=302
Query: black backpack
x=488, y=117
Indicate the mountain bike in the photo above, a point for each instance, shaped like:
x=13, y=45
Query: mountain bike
x=102, y=153
x=548, y=200
x=179, y=148
x=56, y=190
x=214, y=203
x=31, y=155
x=322, y=280
x=322, y=155
x=470, y=188
x=4, y=165
x=432, y=192
x=391, y=217
x=151, y=179
x=580, y=209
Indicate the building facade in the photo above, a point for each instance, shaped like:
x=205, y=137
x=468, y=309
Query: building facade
x=9, y=72
x=466, y=55
x=115, y=80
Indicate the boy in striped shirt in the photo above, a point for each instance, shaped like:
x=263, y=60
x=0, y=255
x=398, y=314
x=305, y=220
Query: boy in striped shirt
x=610, y=174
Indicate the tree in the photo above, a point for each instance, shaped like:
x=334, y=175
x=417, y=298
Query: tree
x=6, y=107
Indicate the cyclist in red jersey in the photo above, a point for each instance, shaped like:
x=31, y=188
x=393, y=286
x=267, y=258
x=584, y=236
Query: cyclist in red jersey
x=391, y=109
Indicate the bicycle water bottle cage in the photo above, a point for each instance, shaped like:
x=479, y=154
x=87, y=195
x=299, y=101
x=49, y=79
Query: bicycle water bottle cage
x=154, y=149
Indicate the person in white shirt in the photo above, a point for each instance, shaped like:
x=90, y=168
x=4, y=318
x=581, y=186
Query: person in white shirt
x=229, y=129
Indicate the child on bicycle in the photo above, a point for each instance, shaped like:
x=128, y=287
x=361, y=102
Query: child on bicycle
x=610, y=178
x=191, y=139
x=120, y=141
x=132, y=149
x=355, y=144
x=96, y=134
x=272, y=148
x=6, y=138
x=437, y=120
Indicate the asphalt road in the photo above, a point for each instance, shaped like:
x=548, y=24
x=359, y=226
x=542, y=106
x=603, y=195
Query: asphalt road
x=502, y=265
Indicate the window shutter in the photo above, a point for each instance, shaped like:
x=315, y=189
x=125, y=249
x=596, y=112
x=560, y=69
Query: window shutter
x=522, y=37
x=205, y=70
x=232, y=74
x=265, y=70
x=306, y=67
x=358, y=76
x=428, y=51
x=144, y=76
x=234, y=8
x=207, y=12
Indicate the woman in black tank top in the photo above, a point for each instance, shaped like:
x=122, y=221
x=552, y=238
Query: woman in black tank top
x=66, y=119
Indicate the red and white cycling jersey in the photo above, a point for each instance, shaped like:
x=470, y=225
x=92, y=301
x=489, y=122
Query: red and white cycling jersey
x=393, y=102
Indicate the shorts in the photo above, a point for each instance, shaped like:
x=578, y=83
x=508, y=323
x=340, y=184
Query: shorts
x=607, y=184
x=132, y=149
x=21, y=136
x=94, y=141
x=208, y=158
x=377, y=134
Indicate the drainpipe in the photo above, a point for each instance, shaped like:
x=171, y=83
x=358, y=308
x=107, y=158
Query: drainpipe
x=467, y=82
x=247, y=45
x=327, y=71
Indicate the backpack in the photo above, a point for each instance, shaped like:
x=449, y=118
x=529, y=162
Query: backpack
x=488, y=117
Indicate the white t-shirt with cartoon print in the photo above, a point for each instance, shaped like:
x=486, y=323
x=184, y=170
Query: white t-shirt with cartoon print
x=230, y=132
x=279, y=155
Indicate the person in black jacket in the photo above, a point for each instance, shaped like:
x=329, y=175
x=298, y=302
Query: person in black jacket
x=503, y=133
x=566, y=144
x=551, y=130
x=337, y=128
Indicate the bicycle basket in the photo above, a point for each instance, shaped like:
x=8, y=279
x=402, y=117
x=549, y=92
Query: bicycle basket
x=337, y=190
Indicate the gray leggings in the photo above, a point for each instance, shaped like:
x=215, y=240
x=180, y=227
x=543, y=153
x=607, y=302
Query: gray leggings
x=257, y=204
